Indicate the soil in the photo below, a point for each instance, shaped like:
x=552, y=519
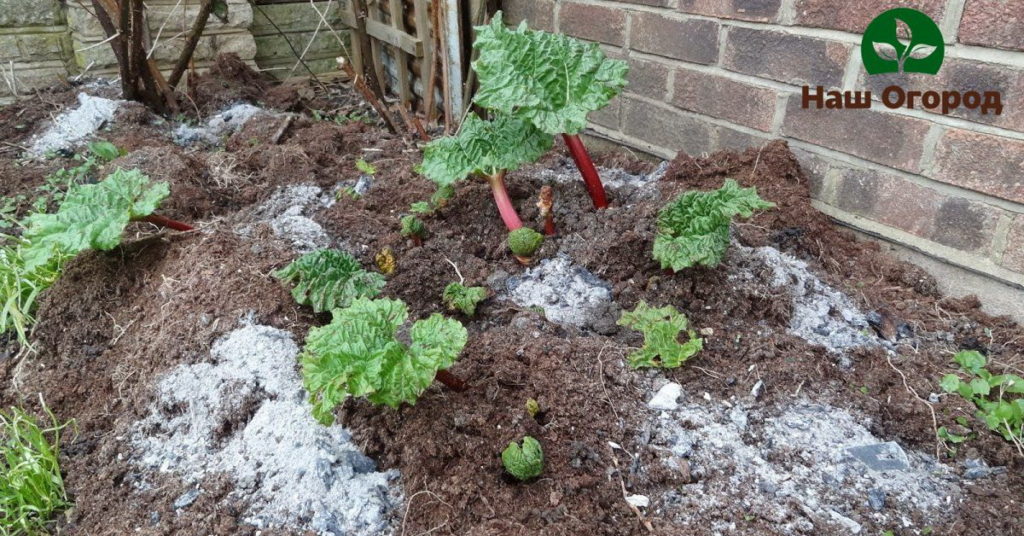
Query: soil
x=116, y=322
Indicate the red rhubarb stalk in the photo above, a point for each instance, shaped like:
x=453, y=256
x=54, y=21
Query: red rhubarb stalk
x=504, y=202
x=451, y=381
x=587, y=169
x=167, y=222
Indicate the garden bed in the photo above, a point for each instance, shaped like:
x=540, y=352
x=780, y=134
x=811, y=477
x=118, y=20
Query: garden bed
x=175, y=353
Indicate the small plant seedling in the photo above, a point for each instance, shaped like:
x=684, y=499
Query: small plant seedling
x=990, y=393
x=31, y=485
x=524, y=242
x=524, y=462
x=532, y=407
x=329, y=279
x=20, y=287
x=386, y=262
x=414, y=229
x=661, y=328
x=349, y=192
x=694, y=228
x=457, y=297
x=365, y=167
x=359, y=354
x=551, y=80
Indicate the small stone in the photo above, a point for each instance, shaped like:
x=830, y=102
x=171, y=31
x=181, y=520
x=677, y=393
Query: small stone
x=360, y=463
x=639, y=501
x=154, y=518
x=757, y=389
x=852, y=527
x=667, y=397
x=186, y=499
x=888, y=456
x=876, y=499
x=933, y=398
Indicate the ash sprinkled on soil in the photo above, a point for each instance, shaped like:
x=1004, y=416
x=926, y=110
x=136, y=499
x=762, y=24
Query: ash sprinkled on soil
x=76, y=126
x=568, y=293
x=245, y=414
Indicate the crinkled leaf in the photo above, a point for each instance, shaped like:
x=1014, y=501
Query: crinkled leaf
x=694, y=229
x=482, y=146
x=92, y=216
x=329, y=279
x=524, y=462
x=661, y=328
x=551, y=80
x=524, y=242
x=462, y=298
x=970, y=360
x=358, y=354
x=950, y=383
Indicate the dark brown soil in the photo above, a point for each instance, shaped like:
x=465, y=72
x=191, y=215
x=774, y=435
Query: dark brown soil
x=116, y=321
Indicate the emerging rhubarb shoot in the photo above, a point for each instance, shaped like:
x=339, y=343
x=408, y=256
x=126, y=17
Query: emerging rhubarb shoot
x=524, y=242
x=488, y=148
x=546, y=205
x=414, y=229
x=551, y=80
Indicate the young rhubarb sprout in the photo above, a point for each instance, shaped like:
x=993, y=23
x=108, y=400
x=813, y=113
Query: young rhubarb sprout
x=359, y=354
x=524, y=242
x=414, y=229
x=546, y=205
x=488, y=148
x=551, y=80
x=661, y=328
x=327, y=279
x=457, y=297
x=524, y=462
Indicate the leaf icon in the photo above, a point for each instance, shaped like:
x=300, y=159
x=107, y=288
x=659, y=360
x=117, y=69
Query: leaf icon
x=885, y=51
x=903, y=33
x=921, y=51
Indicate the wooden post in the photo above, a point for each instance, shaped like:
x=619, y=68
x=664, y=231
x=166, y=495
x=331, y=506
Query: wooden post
x=400, y=56
x=424, y=31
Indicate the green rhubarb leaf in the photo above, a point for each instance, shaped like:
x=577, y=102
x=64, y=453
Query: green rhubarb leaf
x=412, y=226
x=694, y=228
x=950, y=383
x=524, y=462
x=661, y=328
x=358, y=354
x=482, y=146
x=92, y=216
x=461, y=298
x=970, y=360
x=328, y=279
x=551, y=80
x=524, y=242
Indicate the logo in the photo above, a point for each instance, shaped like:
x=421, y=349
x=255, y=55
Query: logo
x=902, y=40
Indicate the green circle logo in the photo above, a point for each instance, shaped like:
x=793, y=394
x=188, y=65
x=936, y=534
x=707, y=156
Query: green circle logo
x=902, y=40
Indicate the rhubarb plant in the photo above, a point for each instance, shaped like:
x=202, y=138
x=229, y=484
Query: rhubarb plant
x=661, y=328
x=358, y=354
x=694, y=228
x=329, y=279
x=524, y=462
x=550, y=80
x=94, y=216
x=488, y=148
x=457, y=297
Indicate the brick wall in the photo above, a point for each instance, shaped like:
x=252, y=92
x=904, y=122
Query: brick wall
x=34, y=45
x=720, y=74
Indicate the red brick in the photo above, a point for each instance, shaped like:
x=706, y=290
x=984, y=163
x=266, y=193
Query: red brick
x=538, y=14
x=609, y=115
x=718, y=96
x=596, y=23
x=855, y=16
x=785, y=57
x=1013, y=255
x=737, y=140
x=688, y=40
x=648, y=78
x=815, y=168
x=981, y=162
x=665, y=128
x=993, y=23
x=963, y=75
x=756, y=10
x=891, y=200
x=965, y=225
x=882, y=137
x=653, y=3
